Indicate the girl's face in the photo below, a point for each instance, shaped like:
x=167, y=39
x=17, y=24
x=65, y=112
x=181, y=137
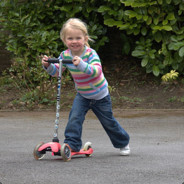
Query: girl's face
x=75, y=41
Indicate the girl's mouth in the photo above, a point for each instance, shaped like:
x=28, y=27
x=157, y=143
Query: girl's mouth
x=75, y=46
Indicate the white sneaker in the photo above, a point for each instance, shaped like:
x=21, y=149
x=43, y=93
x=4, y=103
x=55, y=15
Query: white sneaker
x=125, y=151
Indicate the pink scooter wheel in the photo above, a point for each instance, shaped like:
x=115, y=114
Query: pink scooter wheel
x=37, y=155
x=65, y=152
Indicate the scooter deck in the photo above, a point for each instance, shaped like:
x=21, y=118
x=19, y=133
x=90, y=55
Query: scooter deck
x=82, y=152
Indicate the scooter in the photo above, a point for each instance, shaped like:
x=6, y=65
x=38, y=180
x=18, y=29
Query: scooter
x=55, y=147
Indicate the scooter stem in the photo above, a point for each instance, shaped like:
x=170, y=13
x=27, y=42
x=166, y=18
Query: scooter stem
x=55, y=139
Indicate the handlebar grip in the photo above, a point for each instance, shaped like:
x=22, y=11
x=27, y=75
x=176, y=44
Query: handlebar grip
x=56, y=60
x=53, y=60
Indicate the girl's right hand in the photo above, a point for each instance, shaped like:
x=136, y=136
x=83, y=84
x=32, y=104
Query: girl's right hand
x=44, y=61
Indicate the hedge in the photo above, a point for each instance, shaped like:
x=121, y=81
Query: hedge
x=150, y=30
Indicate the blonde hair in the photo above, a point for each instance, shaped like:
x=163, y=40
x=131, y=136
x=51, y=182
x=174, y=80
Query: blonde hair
x=75, y=23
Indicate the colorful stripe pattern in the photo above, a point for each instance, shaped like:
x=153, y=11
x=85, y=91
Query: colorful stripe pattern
x=88, y=76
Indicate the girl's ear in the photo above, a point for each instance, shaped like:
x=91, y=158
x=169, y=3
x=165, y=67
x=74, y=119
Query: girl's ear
x=86, y=38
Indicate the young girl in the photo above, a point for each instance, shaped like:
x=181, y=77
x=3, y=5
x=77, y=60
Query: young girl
x=91, y=87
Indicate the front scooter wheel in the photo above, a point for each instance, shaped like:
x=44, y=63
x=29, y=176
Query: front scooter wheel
x=37, y=155
x=65, y=152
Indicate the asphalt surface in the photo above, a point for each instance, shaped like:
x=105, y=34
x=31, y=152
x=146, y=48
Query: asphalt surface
x=157, y=150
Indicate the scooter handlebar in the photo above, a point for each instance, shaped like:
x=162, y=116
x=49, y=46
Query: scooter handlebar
x=56, y=60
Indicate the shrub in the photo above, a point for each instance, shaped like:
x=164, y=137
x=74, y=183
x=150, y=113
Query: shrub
x=157, y=28
x=33, y=30
x=151, y=30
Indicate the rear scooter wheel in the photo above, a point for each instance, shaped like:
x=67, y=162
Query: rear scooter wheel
x=86, y=147
x=37, y=155
x=65, y=152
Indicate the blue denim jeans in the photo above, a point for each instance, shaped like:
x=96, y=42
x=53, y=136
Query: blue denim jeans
x=103, y=110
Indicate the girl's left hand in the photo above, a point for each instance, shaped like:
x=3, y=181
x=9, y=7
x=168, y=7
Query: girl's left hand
x=76, y=60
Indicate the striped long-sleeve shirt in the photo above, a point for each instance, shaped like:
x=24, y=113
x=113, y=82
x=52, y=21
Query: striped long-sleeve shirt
x=88, y=75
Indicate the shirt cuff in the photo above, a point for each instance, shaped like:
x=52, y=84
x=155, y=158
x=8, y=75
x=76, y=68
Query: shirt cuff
x=51, y=69
x=82, y=66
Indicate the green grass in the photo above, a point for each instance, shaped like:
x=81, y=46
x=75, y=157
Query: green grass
x=131, y=100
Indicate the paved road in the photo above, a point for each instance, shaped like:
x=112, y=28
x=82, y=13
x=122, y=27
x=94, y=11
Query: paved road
x=157, y=144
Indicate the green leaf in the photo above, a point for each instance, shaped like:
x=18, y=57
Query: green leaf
x=45, y=100
x=138, y=53
x=126, y=48
x=66, y=8
x=130, y=13
x=102, y=9
x=158, y=36
x=180, y=12
x=181, y=6
x=160, y=28
x=168, y=1
x=156, y=20
x=151, y=54
x=136, y=31
x=150, y=10
x=144, y=62
x=176, y=2
x=145, y=17
x=109, y=22
x=120, y=14
x=174, y=38
x=156, y=70
x=124, y=26
x=144, y=31
x=178, y=58
x=149, y=21
x=170, y=16
x=165, y=22
x=169, y=59
x=139, y=17
x=160, y=2
x=181, y=52
x=175, y=45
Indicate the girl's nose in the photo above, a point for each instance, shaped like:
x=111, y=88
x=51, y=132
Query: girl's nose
x=74, y=40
